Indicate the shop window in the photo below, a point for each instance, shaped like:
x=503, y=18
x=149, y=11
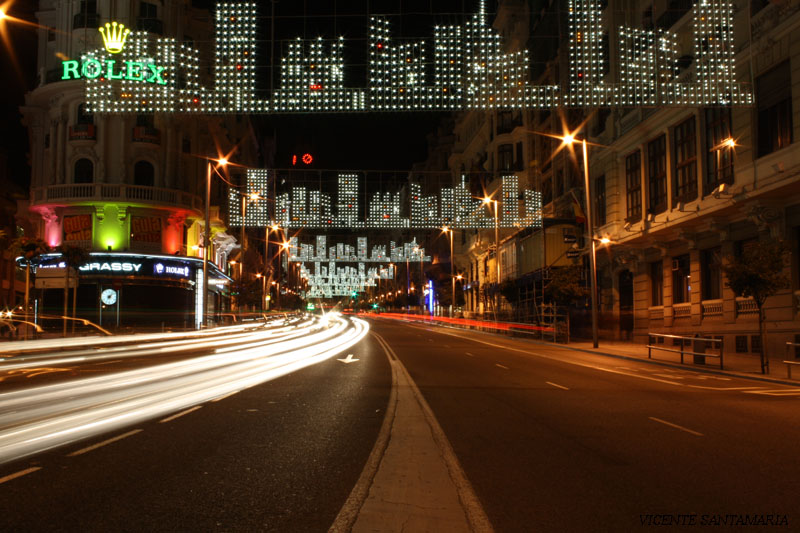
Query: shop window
x=144, y=174
x=633, y=179
x=84, y=171
x=684, y=187
x=657, y=174
x=711, y=268
x=657, y=283
x=719, y=158
x=774, y=100
x=681, y=281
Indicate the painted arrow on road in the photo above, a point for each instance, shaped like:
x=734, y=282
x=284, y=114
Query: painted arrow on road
x=349, y=359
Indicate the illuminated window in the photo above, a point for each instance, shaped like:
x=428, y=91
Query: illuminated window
x=719, y=161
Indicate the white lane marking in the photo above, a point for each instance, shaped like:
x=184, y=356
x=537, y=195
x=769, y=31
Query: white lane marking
x=742, y=389
x=676, y=426
x=775, y=392
x=225, y=396
x=21, y=473
x=557, y=385
x=501, y=366
x=469, y=354
x=105, y=442
x=178, y=415
x=348, y=360
x=528, y=352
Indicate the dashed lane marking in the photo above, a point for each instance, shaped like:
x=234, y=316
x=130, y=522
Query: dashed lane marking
x=469, y=354
x=501, y=366
x=178, y=415
x=21, y=473
x=676, y=426
x=557, y=385
x=104, y=443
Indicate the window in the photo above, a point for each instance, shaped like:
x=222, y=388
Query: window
x=559, y=184
x=711, y=269
x=719, y=159
x=547, y=191
x=505, y=157
x=600, y=201
x=519, y=160
x=685, y=182
x=633, y=178
x=148, y=10
x=84, y=171
x=657, y=283
x=681, y=281
x=145, y=121
x=82, y=117
x=774, y=98
x=657, y=174
x=144, y=174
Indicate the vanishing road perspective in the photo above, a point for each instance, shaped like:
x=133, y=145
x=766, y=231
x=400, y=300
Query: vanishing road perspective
x=338, y=423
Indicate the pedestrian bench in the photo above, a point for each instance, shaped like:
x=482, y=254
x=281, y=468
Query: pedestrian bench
x=688, y=340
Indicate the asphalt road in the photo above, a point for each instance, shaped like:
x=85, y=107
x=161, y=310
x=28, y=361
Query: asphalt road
x=550, y=440
x=556, y=440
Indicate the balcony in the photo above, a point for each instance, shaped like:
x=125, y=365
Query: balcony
x=83, y=132
x=712, y=308
x=86, y=21
x=746, y=306
x=86, y=193
x=150, y=25
x=146, y=134
x=682, y=310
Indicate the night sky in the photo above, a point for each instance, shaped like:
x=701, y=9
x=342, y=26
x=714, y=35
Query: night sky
x=338, y=141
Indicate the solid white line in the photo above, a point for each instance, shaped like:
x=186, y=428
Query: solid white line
x=676, y=426
x=178, y=415
x=501, y=366
x=20, y=473
x=557, y=385
x=99, y=444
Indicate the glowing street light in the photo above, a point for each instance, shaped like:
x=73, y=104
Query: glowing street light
x=445, y=229
x=488, y=201
x=221, y=162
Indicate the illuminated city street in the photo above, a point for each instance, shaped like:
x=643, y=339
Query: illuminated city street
x=399, y=265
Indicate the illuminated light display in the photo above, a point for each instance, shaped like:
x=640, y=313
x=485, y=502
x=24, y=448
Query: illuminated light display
x=468, y=69
x=455, y=207
x=329, y=279
x=114, y=36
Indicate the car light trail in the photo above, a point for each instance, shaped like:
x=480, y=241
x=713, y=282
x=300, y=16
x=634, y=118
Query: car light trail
x=41, y=418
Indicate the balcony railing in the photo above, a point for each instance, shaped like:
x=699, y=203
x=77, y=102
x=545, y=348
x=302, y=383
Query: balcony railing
x=682, y=310
x=83, y=132
x=712, y=308
x=103, y=192
x=146, y=134
x=746, y=306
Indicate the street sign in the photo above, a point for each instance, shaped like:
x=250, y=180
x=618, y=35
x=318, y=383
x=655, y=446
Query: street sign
x=573, y=254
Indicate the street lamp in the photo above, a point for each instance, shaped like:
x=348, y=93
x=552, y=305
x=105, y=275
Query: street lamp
x=445, y=229
x=488, y=201
x=207, y=235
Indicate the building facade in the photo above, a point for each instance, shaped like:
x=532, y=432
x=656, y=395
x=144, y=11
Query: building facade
x=129, y=186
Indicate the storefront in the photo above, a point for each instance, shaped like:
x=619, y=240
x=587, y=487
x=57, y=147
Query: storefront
x=126, y=290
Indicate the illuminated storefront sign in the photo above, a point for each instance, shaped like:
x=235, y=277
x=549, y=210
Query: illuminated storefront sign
x=111, y=267
x=160, y=269
x=78, y=228
x=145, y=229
x=114, y=36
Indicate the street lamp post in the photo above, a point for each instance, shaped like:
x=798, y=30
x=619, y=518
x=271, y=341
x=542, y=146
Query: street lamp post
x=452, y=272
x=489, y=201
x=207, y=237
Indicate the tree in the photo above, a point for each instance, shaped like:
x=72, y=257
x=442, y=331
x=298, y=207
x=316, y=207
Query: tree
x=565, y=286
x=73, y=256
x=758, y=273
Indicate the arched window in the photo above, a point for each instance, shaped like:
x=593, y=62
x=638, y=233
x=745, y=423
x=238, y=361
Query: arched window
x=84, y=171
x=144, y=174
x=84, y=117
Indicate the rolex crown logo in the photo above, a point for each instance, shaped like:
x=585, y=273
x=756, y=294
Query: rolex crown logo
x=114, y=36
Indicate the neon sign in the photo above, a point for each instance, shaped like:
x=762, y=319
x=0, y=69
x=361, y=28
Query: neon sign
x=463, y=66
x=91, y=68
x=111, y=267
